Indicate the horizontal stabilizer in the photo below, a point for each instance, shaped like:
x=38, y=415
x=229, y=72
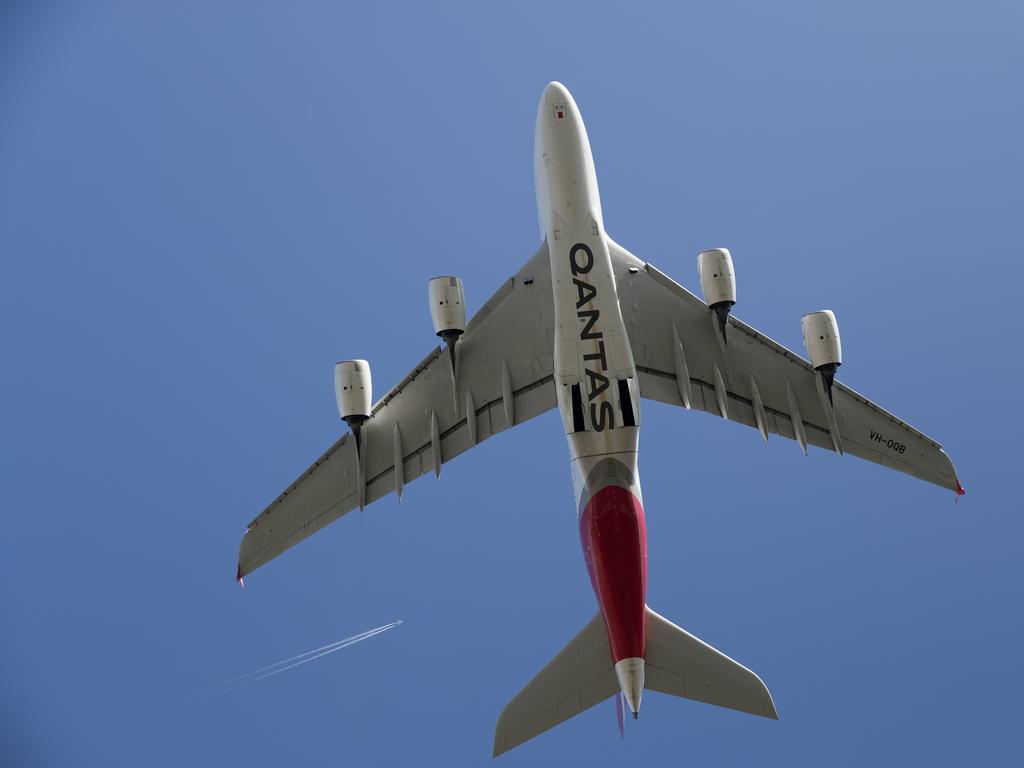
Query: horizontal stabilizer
x=680, y=664
x=580, y=676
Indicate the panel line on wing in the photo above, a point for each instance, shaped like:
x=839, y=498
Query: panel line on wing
x=734, y=322
x=734, y=396
x=396, y=390
x=444, y=434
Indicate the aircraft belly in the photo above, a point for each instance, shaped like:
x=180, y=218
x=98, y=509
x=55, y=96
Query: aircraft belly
x=588, y=320
x=613, y=536
x=591, y=349
x=595, y=375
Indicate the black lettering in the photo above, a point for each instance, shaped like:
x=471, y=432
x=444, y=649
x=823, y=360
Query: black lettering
x=893, y=445
x=606, y=411
x=577, y=409
x=599, y=355
x=577, y=269
x=598, y=383
x=626, y=404
x=591, y=315
x=581, y=289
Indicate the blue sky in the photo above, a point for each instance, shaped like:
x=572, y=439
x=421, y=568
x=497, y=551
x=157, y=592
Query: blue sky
x=204, y=205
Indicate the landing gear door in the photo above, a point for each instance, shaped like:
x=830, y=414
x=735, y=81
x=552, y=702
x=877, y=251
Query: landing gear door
x=629, y=402
x=574, y=415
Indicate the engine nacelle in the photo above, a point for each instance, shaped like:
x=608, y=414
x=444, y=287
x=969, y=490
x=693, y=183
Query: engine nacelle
x=821, y=337
x=717, y=282
x=824, y=347
x=353, y=389
x=447, y=307
x=717, y=278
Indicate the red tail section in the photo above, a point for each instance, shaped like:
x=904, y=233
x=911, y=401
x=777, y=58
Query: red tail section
x=614, y=538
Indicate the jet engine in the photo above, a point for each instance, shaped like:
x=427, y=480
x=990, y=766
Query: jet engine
x=447, y=307
x=448, y=311
x=821, y=337
x=717, y=282
x=353, y=389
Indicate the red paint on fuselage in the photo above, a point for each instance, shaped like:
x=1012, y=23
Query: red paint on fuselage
x=614, y=538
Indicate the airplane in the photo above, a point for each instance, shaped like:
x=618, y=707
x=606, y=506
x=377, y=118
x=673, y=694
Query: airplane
x=587, y=328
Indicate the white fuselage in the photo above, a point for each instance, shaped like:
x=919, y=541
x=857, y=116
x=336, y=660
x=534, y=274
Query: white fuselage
x=595, y=380
x=591, y=346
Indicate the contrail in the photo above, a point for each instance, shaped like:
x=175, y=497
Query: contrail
x=336, y=643
x=296, y=661
x=343, y=644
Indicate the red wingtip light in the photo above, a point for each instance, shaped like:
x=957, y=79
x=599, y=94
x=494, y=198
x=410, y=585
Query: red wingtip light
x=959, y=491
x=238, y=576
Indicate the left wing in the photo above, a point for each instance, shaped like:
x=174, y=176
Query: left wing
x=504, y=364
x=749, y=378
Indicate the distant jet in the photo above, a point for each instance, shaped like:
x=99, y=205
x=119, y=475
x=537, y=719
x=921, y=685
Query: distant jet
x=588, y=328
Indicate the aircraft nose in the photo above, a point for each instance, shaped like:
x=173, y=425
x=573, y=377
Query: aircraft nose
x=555, y=93
x=557, y=103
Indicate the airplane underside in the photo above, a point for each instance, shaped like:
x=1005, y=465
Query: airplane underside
x=586, y=328
x=614, y=539
x=595, y=382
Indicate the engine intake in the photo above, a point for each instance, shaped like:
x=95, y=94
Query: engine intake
x=717, y=278
x=821, y=337
x=717, y=282
x=825, y=348
x=353, y=389
x=447, y=307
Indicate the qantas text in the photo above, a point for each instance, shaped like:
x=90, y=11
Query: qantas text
x=581, y=261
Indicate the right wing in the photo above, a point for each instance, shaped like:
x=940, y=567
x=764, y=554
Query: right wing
x=756, y=381
x=504, y=364
x=680, y=664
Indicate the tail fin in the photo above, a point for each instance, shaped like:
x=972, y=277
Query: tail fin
x=583, y=674
x=679, y=664
x=580, y=676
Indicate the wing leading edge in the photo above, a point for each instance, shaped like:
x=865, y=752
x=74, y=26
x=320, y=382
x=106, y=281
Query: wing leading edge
x=503, y=377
